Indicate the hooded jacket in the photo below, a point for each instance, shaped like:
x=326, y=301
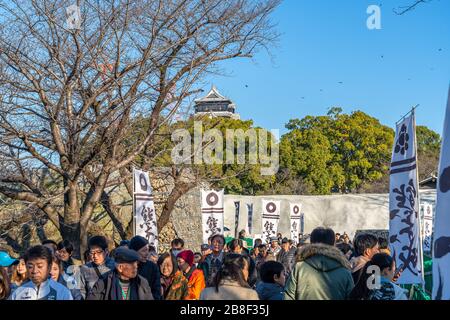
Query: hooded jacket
x=321, y=273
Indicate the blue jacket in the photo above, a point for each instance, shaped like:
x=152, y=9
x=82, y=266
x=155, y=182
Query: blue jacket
x=48, y=290
x=269, y=291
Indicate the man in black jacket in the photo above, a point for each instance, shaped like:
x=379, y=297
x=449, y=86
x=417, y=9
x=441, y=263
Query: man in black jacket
x=123, y=283
x=147, y=269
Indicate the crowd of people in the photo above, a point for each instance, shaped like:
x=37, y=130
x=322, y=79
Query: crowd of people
x=321, y=266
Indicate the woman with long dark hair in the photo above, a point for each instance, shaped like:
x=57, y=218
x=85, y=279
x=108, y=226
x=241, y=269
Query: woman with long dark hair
x=174, y=285
x=230, y=282
x=382, y=288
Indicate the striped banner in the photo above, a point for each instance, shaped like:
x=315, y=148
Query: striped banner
x=270, y=218
x=212, y=213
x=145, y=220
x=295, y=216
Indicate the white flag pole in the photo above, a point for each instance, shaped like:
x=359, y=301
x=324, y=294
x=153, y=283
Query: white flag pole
x=413, y=111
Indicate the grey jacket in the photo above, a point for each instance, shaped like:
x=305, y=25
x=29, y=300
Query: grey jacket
x=286, y=258
x=88, y=275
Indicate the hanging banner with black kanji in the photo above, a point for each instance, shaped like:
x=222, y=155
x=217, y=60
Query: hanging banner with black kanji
x=270, y=218
x=237, y=207
x=212, y=213
x=295, y=216
x=404, y=223
x=249, y=218
x=145, y=220
x=441, y=244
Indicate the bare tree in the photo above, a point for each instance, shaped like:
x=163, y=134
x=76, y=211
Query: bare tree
x=404, y=9
x=69, y=96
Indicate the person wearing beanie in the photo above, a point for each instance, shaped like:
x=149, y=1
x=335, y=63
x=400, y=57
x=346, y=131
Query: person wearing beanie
x=195, y=277
x=146, y=268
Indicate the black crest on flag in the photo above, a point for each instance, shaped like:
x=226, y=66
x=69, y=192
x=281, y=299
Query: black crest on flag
x=143, y=182
x=402, y=144
x=444, y=180
x=442, y=247
x=212, y=199
x=271, y=207
x=296, y=209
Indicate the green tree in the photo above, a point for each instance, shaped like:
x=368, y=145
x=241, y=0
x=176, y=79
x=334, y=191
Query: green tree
x=234, y=177
x=337, y=152
x=428, y=151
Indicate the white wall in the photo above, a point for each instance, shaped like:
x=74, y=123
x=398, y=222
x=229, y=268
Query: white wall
x=340, y=212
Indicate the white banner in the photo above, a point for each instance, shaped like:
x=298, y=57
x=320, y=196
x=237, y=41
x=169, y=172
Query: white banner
x=295, y=215
x=441, y=245
x=270, y=218
x=145, y=220
x=142, y=185
x=404, y=223
x=212, y=213
x=427, y=224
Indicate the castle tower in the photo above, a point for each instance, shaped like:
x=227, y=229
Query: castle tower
x=215, y=105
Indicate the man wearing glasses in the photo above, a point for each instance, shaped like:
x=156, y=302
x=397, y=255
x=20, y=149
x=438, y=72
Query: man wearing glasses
x=98, y=267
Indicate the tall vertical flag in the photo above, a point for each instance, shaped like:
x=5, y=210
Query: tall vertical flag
x=270, y=218
x=441, y=245
x=237, y=206
x=145, y=220
x=427, y=227
x=212, y=213
x=404, y=222
x=302, y=223
x=296, y=209
x=249, y=218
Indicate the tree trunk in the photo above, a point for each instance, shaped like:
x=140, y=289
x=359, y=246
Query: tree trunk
x=178, y=190
x=70, y=226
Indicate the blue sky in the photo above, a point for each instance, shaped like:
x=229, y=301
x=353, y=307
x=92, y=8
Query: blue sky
x=324, y=42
